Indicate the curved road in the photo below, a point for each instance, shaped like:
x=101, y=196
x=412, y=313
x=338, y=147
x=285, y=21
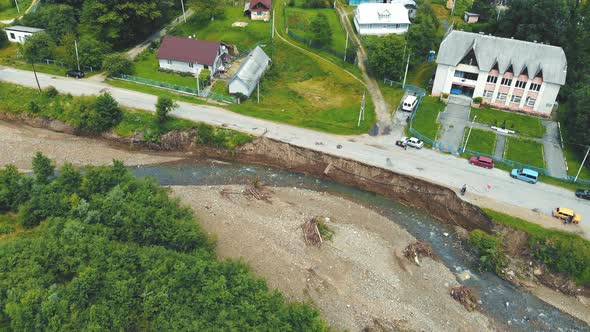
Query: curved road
x=381, y=152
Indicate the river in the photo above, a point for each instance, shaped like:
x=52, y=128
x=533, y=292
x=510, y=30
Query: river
x=509, y=306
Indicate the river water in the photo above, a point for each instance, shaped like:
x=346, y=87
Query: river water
x=511, y=307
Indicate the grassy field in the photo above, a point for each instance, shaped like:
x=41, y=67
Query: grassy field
x=420, y=75
x=524, y=151
x=523, y=124
x=257, y=32
x=574, y=160
x=8, y=8
x=481, y=141
x=425, y=118
x=8, y=224
x=154, y=91
x=392, y=94
x=299, y=21
x=220, y=87
x=146, y=66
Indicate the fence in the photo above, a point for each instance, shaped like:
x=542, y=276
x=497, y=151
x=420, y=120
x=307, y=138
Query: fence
x=57, y=63
x=202, y=93
x=408, y=87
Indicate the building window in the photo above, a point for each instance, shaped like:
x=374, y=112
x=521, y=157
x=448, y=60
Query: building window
x=506, y=81
x=206, y=67
x=12, y=35
x=488, y=94
x=190, y=65
x=169, y=62
x=535, y=87
x=259, y=13
x=520, y=84
x=531, y=101
x=397, y=26
x=502, y=96
x=516, y=99
x=492, y=79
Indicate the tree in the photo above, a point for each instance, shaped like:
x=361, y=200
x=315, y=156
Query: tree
x=204, y=78
x=57, y=19
x=66, y=51
x=164, y=106
x=485, y=10
x=422, y=36
x=387, y=56
x=3, y=38
x=38, y=46
x=92, y=52
x=321, y=30
x=43, y=168
x=108, y=111
x=117, y=63
x=578, y=115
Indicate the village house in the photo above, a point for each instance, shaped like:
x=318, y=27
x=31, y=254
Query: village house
x=191, y=55
x=381, y=19
x=507, y=73
x=409, y=4
x=469, y=17
x=250, y=73
x=19, y=33
x=258, y=10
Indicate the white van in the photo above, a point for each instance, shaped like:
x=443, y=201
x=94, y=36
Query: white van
x=409, y=103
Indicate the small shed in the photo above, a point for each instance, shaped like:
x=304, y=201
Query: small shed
x=19, y=33
x=471, y=17
x=250, y=73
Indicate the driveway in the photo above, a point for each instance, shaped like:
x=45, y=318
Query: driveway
x=426, y=164
x=554, y=161
x=453, y=120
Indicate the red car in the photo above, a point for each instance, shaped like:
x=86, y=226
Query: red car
x=482, y=161
x=401, y=143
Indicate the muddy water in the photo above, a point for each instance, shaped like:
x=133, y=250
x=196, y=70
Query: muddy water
x=511, y=307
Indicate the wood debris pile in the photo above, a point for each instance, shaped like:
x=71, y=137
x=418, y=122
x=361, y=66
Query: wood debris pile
x=255, y=189
x=417, y=250
x=311, y=233
x=466, y=296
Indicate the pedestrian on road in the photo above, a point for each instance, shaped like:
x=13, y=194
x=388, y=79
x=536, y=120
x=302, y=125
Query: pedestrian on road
x=463, y=190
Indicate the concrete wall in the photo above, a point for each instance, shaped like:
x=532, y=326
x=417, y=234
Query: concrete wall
x=18, y=36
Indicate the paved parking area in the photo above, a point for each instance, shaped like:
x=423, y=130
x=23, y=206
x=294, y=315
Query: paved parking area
x=554, y=161
x=454, y=119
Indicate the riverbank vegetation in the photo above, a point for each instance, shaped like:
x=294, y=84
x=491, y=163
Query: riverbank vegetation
x=562, y=252
x=106, y=251
x=97, y=114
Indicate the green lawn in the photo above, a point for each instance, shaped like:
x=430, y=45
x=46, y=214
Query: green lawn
x=8, y=223
x=8, y=8
x=220, y=29
x=421, y=74
x=574, y=160
x=392, y=94
x=426, y=115
x=524, y=151
x=299, y=21
x=154, y=91
x=146, y=66
x=481, y=141
x=523, y=124
x=220, y=87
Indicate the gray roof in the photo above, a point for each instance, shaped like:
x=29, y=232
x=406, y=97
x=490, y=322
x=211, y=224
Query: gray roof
x=528, y=57
x=23, y=29
x=252, y=69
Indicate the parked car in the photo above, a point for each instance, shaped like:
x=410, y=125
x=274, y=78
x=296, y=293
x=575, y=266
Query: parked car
x=409, y=103
x=413, y=142
x=567, y=215
x=75, y=73
x=401, y=143
x=583, y=193
x=482, y=161
x=525, y=174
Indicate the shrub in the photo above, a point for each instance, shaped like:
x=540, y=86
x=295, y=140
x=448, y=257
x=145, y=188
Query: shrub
x=477, y=100
x=33, y=107
x=101, y=115
x=164, y=105
x=50, y=91
x=3, y=38
x=490, y=250
x=117, y=63
x=445, y=95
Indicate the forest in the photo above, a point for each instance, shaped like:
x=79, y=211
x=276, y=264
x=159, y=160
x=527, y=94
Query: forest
x=98, y=249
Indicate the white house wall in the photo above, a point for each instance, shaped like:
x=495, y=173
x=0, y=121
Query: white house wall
x=380, y=29
x=440, y=80
x=18, y=36
x=548, y=95
x=184, y=67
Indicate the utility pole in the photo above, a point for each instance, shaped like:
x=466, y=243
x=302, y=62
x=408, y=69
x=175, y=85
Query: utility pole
x=406, y=74
x=583, y=162
x=403, y=56
x=198, y=85
x=77, y=58
x=272, y=32
x=469, y=134
x=16, y=3
x=35, y=72
x=183, y=13
x=345, y=46
x=258, y=93
x=361, y=111
x=453, y=9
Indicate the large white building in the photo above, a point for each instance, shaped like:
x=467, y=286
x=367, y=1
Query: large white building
x=191, y=55
x=381, y=18
x=507, y=73
x=19, y=33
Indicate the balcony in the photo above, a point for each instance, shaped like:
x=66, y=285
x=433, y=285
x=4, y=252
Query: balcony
x=464, y=81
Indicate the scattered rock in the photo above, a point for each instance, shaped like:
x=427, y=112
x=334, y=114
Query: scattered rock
x=465, y=276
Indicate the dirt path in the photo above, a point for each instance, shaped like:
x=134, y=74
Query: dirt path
x=382, y=108
x=19, y=143
x=357, y=280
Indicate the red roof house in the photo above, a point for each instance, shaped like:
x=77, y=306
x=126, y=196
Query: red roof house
x=258, y=9
x=190, y=55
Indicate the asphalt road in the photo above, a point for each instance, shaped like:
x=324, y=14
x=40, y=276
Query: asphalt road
x=427, y=164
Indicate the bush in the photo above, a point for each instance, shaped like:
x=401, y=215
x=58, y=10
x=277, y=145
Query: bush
x=3, y=38
x=490, y=250
x=33, y=107
x=103, y=114
x=445, y=95
x=50, y=91
x=164, y=105
x=204, y=78
x=117, y=63
x=477, y=100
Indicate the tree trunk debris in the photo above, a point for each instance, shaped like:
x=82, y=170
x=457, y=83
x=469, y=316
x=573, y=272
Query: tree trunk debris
x=466, y=296
x=255, y=189
x=418, y=249
x=311, y=233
